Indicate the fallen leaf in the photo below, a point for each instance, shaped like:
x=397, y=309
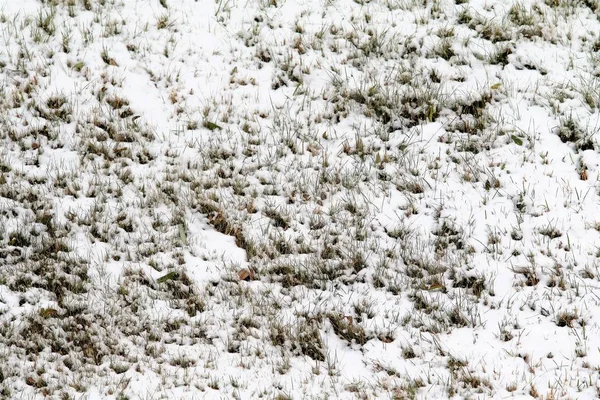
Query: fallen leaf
x=211, y=126
x=167, y=277
x=517, y=140
x=435, y=286
x=246, y=275
x=386, y=339
x=78, y=66
x=48, y=313
x=314, y=150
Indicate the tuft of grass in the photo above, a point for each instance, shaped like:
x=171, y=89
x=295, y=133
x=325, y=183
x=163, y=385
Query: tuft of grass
x=566, y=318
x=308, y=342
x=347, y=330
x=164, y=21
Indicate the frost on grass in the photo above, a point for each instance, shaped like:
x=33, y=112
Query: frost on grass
x=411, y=185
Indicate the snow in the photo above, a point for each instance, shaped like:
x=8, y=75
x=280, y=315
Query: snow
x=366, y=177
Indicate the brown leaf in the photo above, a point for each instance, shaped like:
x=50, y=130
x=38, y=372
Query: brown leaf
x=584, y=175
x=314, y=150
x=48, y=313
x=246, y=275
x=386, y=339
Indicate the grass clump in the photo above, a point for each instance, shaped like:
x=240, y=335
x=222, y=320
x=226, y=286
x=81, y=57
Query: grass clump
x=570, y=131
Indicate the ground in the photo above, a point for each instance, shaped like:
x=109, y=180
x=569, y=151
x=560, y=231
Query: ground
x=338, y=199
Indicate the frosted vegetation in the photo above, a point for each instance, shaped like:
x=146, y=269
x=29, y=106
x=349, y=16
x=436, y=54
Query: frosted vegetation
x=277, y=199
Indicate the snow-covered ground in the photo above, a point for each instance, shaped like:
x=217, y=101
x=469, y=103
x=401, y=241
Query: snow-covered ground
x=309, y=199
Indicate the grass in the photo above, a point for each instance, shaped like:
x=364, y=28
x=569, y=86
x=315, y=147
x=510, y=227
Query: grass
x=400, y=178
